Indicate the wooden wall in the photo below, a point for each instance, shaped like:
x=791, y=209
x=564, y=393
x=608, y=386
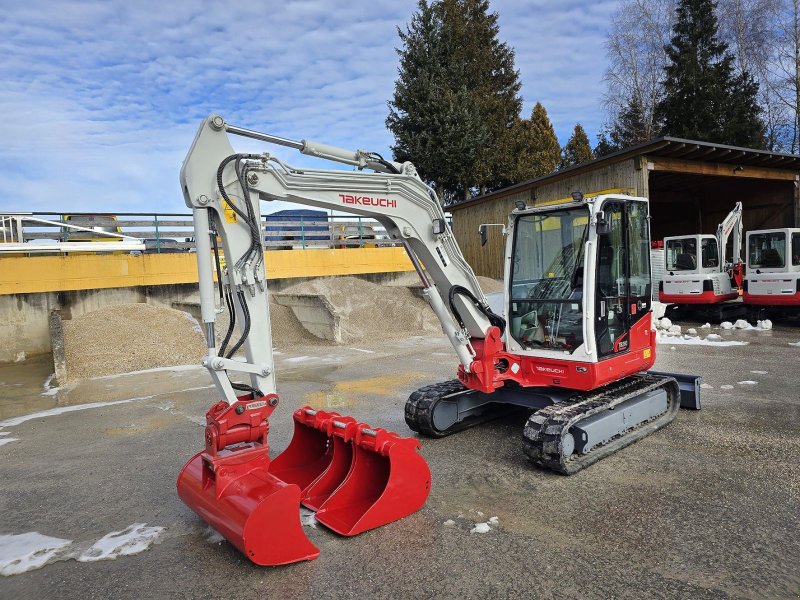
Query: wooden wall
x=626, y=175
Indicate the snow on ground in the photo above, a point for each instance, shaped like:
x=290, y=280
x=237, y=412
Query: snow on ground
x=706, y=386
x=175, y=368
x=28, y=551
x=131, y=540
x=8, y=440
x=794, y=344
x=764, y=325
x=449, y=523
x=688, y=340
x=748, y=382
x=481, y=528
x=759, y=372
x=65, y=409
x=308, y=518
x=726, y=387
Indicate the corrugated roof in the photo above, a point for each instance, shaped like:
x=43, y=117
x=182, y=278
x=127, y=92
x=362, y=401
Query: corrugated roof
x=665, y=146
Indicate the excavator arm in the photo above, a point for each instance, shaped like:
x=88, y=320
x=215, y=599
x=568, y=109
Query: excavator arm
x=731, y=225
x=223, y=188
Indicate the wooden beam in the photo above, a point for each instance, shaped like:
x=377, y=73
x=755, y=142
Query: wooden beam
x=674, y=165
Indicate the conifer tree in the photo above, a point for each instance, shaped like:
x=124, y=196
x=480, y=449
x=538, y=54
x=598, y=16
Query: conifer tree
x=577, y=150
x=535, y=150
x=456, y=97
x=703, y=98
x=630, y=129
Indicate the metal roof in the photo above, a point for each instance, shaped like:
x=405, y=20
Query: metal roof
x=664, y=146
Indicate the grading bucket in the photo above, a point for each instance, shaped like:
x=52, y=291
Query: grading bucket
x=309, y=453
x=388, y=480
x=343, y=430
x=229, y=486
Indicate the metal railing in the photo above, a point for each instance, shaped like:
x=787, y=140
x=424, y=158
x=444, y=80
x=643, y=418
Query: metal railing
x=43, y=232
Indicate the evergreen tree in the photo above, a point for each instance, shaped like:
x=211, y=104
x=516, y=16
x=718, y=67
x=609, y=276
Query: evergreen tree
x=703, y=98
x=630, y=129
x=577, y=150
x=535, y=149
x=456, y=97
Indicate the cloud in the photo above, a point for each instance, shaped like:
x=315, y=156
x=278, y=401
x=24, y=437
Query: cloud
x=101, y=100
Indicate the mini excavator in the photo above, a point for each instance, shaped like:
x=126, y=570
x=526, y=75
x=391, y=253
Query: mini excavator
x=575, y=344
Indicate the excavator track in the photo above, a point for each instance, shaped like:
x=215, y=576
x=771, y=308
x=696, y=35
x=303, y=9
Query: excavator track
x=421, y=404
x=545, y=431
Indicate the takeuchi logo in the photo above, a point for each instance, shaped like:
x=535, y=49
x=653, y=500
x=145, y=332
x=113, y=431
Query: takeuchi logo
x=368, y=201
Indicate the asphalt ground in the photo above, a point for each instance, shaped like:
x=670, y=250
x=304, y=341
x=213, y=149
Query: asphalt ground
x=708, y=507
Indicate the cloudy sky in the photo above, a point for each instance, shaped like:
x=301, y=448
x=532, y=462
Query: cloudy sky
x=100, y=100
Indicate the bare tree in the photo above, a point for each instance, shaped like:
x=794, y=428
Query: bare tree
x=639, y=32
x=784, y=69
x=750, y=29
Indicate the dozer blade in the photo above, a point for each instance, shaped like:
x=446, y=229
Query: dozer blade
x=309, y=453
x=388, y=480
x=229, y=486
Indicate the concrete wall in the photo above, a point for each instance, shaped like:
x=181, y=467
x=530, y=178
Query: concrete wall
x=24, y=317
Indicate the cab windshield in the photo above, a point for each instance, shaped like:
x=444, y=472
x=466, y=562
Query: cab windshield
x=767, y=250
x=547, y=279
x=682, y=254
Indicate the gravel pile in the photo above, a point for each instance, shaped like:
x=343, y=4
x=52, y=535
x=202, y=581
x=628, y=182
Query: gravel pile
x=130, y=337
x=369, y=311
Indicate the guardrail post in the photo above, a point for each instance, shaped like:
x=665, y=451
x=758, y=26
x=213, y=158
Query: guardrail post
x=302, y=232
x=360, y=234
x=158, y=237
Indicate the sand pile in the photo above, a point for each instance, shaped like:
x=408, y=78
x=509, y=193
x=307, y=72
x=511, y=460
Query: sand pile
x=130, y=337
x=369, y=311
x=411, y=279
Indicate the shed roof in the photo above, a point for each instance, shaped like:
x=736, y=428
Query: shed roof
x=664, y=146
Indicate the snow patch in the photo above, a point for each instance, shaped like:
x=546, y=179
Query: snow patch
x=705, y=326
x=494, y=521
x=759, y=372
x=686, y=340
x=6, y=440
x=705, y=386
x=133, y=539
x=747, y=382
x=28, y=551
x=20, y=357
x=481, y=528
x=300, y=359
x=308, y=518
x=726, y=325
x=726, y=387
x=658, y=309
x=691, y=331
x=66, y=409
x=362, y=350
x=675, y=329
x=175, y=368
x=449, y=523
x=794, y=343
x=213, y=536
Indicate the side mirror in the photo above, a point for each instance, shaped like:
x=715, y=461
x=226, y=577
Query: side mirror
x=603, y=224
x=484, y=234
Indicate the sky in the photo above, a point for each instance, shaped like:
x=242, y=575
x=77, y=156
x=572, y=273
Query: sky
x=101, y=100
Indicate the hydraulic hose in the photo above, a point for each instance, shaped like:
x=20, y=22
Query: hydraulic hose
x=494, y=319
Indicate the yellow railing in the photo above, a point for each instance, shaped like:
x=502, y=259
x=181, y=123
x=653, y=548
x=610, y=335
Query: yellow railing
x=33, y=274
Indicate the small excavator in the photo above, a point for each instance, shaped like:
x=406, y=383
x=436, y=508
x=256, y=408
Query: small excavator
x=699, y=280
x=772, y=284
x=575, y=345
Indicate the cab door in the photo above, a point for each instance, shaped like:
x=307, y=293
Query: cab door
x=623, y=287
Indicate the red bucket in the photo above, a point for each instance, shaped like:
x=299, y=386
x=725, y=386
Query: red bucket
x=388, y=480
x=343, y=430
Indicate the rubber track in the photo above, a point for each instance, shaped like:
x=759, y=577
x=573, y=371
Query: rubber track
x=420, y=406
x=545, y=429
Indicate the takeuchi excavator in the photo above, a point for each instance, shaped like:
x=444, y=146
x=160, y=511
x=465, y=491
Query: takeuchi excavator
x=772, y=283
x=700, y=280
x=575, y=345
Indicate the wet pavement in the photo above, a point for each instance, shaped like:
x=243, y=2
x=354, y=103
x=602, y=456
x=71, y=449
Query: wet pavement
x=708, y=507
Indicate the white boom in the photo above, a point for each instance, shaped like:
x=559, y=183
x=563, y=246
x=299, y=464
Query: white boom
x=732, y=224
x=224, y=188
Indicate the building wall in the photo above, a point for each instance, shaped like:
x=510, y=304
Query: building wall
x=625, y=176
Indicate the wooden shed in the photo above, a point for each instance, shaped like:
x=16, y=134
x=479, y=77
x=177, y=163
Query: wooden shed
x=691, y=186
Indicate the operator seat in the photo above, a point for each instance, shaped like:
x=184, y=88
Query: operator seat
x=685, y=262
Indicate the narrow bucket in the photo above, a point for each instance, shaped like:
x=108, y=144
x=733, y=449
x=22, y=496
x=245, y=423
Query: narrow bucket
x=343, y=430
x=388, y=480
x=310, y=451
x=256, y=512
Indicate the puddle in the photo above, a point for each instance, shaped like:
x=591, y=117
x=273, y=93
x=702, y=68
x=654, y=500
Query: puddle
x=347, y=393
x=22, y=385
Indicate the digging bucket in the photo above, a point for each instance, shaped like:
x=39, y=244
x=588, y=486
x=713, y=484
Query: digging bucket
x=341, y=430
x=309, y=453
x=388, y=480
x=229, y=486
